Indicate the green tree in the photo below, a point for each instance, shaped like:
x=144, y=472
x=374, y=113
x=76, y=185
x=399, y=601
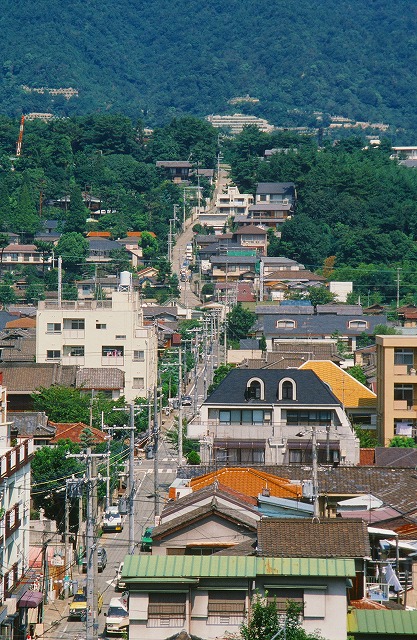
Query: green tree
x=62, y=404
x=402, y=441
x=46, y=249
x=7, y=295
x=4, y=242
x=76, y=216
x=367, y=438
x=50, y=468
x=265, y=622
x=357, y=373
x=239, y=322
x=73, y=248
x=320, y=295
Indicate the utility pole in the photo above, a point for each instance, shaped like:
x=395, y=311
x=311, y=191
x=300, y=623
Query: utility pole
x=66, y=542
x=398, y=286
x=131, y=475
x=91, y=546
x=316, y=511
x=59, y=281
x=180, y=407
x=261, y=281
x=155, y=452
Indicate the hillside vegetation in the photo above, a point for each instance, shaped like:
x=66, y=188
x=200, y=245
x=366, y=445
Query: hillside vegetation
x=158, y=59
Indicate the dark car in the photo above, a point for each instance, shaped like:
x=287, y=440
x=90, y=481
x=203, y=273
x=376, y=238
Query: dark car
x=186, y=401
x=101, y=560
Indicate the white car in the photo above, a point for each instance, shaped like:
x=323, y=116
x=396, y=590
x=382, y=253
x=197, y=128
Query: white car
x=112, y=520
x=120, y=584
x=117, y=616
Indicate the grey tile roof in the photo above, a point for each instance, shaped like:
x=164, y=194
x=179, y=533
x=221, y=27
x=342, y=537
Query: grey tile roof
x=27, y=377
x=318, y=325
x=249, y=260
x=310, y=389
x=396, y=457
x=340, y=309
x=202, y=513
x=275, y=187
x=174, y=163
x=299, y=538
x=281, y=309
x=6, y=317
x=100, y=378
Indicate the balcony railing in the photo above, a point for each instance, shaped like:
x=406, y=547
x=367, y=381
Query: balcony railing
x=264, y=430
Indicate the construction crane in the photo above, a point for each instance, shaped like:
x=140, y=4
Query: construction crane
x=20, y=138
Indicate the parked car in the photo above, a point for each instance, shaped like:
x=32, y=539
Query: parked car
x=117, y=616
x=186, y=401
x=112, y=520
x=120, y=584
x=146, y=540
x=78, y=606
x=101, y=559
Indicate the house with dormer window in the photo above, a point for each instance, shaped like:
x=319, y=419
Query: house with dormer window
x=268, y=416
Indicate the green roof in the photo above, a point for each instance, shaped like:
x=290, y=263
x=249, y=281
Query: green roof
x=142, y=568
x=385, y=622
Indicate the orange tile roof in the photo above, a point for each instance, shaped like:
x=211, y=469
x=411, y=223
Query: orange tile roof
x=366, y=603
x=98, y=234
x=349, y=391
x=138, y=234
x=21, y=323
x=72, y=431
x=248, y=481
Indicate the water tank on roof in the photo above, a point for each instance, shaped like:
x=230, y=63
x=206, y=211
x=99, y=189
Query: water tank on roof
x=125, y=281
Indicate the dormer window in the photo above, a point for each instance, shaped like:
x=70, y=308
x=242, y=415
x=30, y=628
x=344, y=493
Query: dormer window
x=287, y=389
x=285, y=323
x=255, y=389
x=358, y=324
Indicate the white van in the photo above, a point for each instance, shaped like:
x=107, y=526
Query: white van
x=112, y=520
x=117, y=616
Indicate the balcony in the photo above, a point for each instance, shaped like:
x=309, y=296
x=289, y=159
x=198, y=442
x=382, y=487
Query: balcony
x=73, y=333
x=73, y=360
x=15, y=459
x=112, y=361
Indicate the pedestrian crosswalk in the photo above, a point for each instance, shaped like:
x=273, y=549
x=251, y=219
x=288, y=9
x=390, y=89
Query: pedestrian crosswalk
x=150, y=471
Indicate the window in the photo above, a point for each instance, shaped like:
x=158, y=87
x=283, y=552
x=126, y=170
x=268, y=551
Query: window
x=226, y=607
x=166, y=609
x=26, y=257
x=283, y=596
x=53, y=354
x=53, y=327
x=14, y=257
x=139, y=356
x=404, y=356
x=254, y=390
x=74, y=323
x=404, y=392
x=242, y=455
x=305, y=417
x=138, y=383
x=74, y=350
x=100, y=325
x=304, y=455
x=358, y=324
x=112, y=352
x=240, y=416
x=286, y=324
x=287, y=390
x=121, y=337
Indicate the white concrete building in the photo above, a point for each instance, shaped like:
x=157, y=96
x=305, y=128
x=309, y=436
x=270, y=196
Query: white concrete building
x=15, y=456
x=100, y=334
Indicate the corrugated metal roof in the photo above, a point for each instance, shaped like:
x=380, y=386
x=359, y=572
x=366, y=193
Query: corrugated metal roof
x=388, y=622
x=141, y=568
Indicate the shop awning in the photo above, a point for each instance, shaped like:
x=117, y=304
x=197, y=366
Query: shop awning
x=31, y=599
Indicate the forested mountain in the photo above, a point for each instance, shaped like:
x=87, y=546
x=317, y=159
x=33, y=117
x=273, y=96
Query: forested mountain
x=157, y=59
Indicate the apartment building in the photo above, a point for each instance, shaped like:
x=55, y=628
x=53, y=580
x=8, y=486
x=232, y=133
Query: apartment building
x=15, y=457
x=396, y=387
x=101, y=333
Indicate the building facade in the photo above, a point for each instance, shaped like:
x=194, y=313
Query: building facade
x=100, y=333
x=396, y=387
x=262, y=416
x=15, y=457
